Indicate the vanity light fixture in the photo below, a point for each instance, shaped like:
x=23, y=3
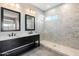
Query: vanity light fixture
x=11, y=5
x=30, y=11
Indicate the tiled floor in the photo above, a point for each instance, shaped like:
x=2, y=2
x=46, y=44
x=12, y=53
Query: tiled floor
x=41, y=51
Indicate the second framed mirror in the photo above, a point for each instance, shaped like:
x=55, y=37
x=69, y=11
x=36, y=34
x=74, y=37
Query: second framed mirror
x=29, y=22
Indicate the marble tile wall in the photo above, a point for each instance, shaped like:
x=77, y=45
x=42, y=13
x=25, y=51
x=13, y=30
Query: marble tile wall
x=62, y=25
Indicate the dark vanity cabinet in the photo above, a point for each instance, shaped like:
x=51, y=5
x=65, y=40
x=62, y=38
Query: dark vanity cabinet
x=16, y=46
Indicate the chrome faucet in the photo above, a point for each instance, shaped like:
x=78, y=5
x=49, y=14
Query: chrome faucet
x=12, y=34
x=30, y=32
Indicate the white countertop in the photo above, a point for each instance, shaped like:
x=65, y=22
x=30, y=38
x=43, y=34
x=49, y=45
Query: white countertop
x=6, y=37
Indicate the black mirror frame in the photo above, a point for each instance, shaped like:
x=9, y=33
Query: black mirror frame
x=2, y=15
x=26, y=29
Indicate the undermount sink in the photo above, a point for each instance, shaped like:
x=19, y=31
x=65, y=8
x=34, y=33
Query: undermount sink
x=30, y=32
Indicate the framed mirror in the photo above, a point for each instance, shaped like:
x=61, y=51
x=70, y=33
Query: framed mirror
x=0, y=19
x=29, y=22
x=10, y=20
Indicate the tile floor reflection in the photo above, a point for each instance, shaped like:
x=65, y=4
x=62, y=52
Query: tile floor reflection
x=41, y=51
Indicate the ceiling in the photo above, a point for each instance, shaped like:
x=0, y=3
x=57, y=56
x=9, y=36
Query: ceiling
x=45, y=6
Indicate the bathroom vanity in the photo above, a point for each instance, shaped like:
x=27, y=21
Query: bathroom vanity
x=16, y=46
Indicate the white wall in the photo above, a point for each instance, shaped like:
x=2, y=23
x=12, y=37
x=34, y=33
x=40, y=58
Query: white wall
x=39, y=20
x=62, y=25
